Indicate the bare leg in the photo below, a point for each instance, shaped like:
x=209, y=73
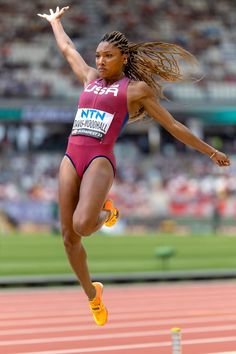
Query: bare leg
x=80, y=211
x=95, y=185
x=69, y=185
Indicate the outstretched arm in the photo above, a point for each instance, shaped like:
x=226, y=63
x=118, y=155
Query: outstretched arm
x=177, y=129
x=84, y=72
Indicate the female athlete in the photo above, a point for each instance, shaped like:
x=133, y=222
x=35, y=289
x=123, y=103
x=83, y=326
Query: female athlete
x=122, y=87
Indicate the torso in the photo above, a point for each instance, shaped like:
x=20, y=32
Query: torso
x=102, y=112
x=97, y=103
x=135, y=91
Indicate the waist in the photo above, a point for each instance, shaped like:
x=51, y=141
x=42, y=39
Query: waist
x=89, y=141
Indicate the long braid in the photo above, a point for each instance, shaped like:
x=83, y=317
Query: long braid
x=150, y=61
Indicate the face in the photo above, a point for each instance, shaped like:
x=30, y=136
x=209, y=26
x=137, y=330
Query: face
x=109, y=61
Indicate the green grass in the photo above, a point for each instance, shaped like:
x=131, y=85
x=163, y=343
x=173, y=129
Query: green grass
x=44, y=254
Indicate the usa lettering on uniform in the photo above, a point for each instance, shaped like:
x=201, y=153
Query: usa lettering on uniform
x=99, y=90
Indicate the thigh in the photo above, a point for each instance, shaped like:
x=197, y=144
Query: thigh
x=69, y=189
x=95, y=185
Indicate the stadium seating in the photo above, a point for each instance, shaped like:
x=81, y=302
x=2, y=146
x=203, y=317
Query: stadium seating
x=32, y=67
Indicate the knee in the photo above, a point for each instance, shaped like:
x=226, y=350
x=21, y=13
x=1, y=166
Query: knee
x=70, y=239
x=83, y=226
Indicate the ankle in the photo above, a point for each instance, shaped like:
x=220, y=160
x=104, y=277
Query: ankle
x=92, y=293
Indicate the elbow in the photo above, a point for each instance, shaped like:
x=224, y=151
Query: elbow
x=64, y=49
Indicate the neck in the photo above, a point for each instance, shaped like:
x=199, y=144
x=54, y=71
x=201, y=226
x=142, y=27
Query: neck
x=111, y=81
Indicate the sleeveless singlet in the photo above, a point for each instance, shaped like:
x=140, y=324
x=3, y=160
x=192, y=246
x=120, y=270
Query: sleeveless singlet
x=102, y=113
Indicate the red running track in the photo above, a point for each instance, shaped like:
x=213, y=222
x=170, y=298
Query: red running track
x=58, y=321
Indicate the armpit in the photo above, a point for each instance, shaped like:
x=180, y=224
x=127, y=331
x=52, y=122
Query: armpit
x=138, y=114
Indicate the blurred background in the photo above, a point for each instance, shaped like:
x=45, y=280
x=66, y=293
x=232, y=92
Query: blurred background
x=162, y=186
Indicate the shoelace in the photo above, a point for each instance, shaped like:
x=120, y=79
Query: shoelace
x=98, y=308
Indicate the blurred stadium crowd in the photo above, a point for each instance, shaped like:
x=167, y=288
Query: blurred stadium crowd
x=158, y=186
x=172, y=182
x=31, y=66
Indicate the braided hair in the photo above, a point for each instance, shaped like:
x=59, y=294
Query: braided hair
x=150, y=61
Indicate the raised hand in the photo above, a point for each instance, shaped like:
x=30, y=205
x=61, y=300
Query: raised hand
x=55, y=15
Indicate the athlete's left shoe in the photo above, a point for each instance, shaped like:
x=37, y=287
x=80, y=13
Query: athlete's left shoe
x=99, y=311
x=114, y=213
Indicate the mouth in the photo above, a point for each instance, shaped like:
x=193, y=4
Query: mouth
x=101, y=70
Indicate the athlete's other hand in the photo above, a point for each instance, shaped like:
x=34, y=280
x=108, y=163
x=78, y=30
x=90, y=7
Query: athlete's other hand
x=55, y=15
x=221, y=159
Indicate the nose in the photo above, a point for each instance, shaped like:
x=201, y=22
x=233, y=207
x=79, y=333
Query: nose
x=100, y=60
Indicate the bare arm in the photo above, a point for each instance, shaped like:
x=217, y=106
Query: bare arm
x=177, y=129
x=84, y=72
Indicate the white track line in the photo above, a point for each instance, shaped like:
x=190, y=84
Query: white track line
x=134, y=346
x=68, y=308
x=44, y=313
x=80, y=338
x=91, y=336
x=123, y=323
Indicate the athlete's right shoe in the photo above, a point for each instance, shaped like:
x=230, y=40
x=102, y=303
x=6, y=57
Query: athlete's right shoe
x=97, y=307
x=114, y=213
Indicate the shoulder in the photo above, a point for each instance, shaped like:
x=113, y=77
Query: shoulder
x=138, y=90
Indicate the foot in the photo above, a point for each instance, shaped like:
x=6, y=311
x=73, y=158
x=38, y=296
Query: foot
x=97, y=307
x=114, y=213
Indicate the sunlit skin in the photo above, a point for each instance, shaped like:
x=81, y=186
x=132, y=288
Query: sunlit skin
x=81, y=208
x=110, y=62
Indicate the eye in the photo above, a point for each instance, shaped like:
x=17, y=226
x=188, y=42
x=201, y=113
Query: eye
x=109, y=55
x=97, y=56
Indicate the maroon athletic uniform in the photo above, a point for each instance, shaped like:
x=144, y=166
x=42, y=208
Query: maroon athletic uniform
x=102, y=113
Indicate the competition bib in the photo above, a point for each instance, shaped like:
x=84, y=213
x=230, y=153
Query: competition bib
x=92, y=122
